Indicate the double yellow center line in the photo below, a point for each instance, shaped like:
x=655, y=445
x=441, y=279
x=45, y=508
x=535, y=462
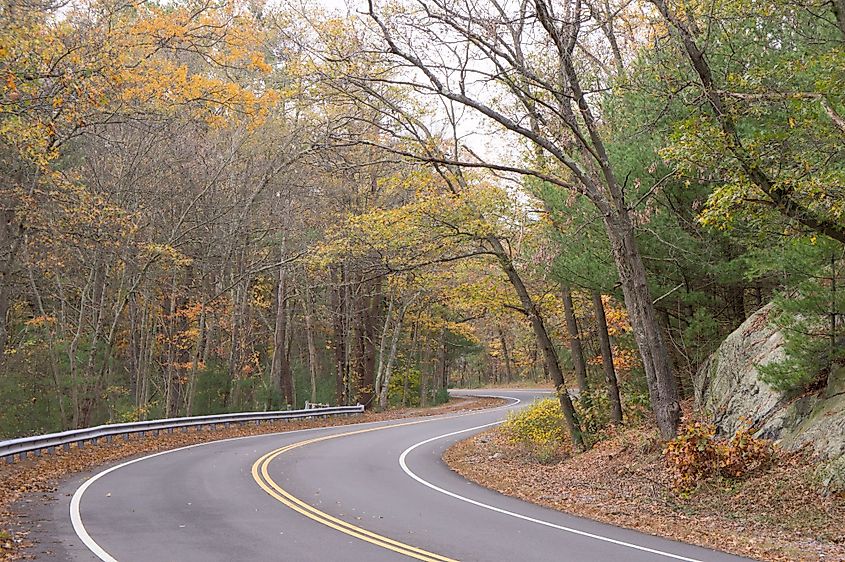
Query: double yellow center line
x=261, y=474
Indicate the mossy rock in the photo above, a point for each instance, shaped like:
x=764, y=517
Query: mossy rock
x=836, y=382
x=831, y=475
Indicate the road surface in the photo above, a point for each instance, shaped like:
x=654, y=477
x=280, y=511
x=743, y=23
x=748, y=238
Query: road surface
x=363, y=492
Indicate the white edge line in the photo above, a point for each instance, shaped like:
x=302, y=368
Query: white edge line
x=412, y=474
x=100, y=552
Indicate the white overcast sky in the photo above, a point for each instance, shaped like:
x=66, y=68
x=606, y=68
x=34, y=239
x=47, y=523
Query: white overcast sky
x=482, y=137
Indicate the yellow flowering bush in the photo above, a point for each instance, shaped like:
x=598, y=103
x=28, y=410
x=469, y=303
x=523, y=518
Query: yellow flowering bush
x=539, y=428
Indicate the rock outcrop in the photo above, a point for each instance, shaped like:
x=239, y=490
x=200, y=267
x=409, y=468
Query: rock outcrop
x=728, y=388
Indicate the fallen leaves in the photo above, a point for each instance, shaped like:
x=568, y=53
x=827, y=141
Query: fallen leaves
x=779, y=514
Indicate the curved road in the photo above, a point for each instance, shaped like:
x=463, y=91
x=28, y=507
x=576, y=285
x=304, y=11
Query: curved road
x=369, y=492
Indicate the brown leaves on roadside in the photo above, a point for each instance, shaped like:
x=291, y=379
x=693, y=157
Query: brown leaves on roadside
x=777, y=514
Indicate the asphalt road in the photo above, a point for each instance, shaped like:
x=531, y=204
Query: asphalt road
x=342, y=495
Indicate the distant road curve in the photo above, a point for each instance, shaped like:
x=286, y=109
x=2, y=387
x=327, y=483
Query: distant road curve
x=370, y=492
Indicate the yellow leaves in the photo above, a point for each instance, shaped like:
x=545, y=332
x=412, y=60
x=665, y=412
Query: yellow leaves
x=168, y=253
x=204, y=61
x=617, y=316
x=537, y=426
x=41, y=321
x=257, y=62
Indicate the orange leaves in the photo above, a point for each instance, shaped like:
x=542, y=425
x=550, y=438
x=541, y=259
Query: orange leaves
x=624, y=360
x=617, y=316
x=696, y=454
x=183, y=57
x=41, y=321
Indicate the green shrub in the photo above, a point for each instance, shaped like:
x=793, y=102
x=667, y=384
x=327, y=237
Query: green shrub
x=813, y=347
x=593, y=410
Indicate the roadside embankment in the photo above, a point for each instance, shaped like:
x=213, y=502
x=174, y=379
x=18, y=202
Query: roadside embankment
x=781, y=513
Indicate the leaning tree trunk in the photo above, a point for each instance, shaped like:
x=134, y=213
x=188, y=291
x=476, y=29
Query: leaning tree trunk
x=662, y=387
x=574, y=341
x=607, y=360
x=544, y=342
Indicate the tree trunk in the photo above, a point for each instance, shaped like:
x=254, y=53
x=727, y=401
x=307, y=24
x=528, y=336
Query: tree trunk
x=607, y=360
x=662, y=386
x=309, y=336
x=384, y=392
x=544, y=342
x=288, y=351
x=280, y=366
x=383, y=346
x=5, y=300
x=425, y=362
x=574, y=341
x=368, y=314
x=339, y=336
x=507, y=356
x=442, y=372
x=195, y=362
x=11, y=242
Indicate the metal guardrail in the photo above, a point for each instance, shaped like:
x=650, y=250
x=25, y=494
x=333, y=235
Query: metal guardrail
x=13, y=449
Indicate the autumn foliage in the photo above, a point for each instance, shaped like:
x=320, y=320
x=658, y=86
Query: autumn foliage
x=538, y=428
x=697, y=454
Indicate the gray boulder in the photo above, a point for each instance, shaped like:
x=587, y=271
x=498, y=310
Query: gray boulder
x=727, y=388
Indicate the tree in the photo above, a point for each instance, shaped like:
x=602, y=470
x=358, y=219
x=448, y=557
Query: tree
x=783, y=129
x=529, y=51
